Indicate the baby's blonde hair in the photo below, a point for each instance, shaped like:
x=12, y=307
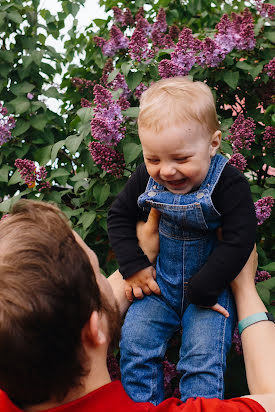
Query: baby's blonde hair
x=175, y=100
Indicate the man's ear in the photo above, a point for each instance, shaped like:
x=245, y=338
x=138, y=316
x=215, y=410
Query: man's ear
x=93, y=332
x=215, y=142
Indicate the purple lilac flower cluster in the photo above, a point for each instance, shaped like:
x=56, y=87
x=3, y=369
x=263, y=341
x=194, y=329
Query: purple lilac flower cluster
x=182, y=58
x=139, y=47
x=113, y=368
x=269, y=68
x=124, y=18
x=85, y=103
x=31, y=175
x=261, y=275
x=109, y=159
x=265, y=10
x=238, y=160
x=242, y=133
x=6, y=124
x=81, y=83
x=158, y=36
x=235, y=33
x=263, y=208
x=116, y=42
x=269, y=136
x=120, y=83
x=142, y=24
x=107, y=128
x=169, y=373
x=106, y=124
x=140, y=89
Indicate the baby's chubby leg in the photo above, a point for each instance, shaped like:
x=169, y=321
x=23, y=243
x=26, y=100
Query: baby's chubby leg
x=148, y=326
x=206, y=340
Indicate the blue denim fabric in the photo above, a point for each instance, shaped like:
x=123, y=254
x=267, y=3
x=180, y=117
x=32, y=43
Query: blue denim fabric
x=187, y=237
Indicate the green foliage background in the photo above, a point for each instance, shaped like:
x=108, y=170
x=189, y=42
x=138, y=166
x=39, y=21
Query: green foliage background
x=60, y=141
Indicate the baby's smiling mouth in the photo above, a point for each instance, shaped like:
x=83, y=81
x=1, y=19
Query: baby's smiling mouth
x=176, y=183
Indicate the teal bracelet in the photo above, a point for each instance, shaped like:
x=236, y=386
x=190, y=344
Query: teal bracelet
x=257, y=317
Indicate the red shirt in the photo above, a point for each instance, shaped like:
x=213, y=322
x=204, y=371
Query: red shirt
x=113, y=398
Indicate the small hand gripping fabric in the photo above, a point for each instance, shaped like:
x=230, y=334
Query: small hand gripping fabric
x=257, y=317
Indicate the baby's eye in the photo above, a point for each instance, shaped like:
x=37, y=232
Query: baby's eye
x=182, y=159
x=153, y=160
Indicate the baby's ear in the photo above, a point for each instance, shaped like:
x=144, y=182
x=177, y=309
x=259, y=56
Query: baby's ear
x=215, y=142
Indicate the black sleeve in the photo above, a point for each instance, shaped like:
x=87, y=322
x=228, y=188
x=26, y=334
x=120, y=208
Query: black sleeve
x=122, y=218
x=232, y=198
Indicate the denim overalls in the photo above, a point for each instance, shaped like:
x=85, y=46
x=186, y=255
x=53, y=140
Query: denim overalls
x=187, y=237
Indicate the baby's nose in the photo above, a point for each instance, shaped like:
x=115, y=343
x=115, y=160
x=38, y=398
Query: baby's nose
x=167, y=170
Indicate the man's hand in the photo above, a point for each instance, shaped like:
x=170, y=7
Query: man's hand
x=141, y=282
x=148, y=235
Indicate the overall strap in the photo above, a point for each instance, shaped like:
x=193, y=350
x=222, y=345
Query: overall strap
x=215, y=170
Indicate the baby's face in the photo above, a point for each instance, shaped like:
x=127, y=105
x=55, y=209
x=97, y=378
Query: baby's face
x=178, y=157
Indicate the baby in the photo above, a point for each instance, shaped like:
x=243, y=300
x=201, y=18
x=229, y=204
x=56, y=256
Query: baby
x=196, y=191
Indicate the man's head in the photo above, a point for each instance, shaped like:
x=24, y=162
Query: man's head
x=48, y=291
x=179, y=132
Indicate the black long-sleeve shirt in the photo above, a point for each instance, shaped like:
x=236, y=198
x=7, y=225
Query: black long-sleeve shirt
x=232, y=199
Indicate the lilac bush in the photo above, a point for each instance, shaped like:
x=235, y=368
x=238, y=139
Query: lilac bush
x=7, y=123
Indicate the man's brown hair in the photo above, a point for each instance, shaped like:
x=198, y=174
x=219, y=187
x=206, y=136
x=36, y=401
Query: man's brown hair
x=47, y=293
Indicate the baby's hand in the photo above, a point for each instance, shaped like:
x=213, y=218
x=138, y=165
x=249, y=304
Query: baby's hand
x=141, y=282
x=218, y=308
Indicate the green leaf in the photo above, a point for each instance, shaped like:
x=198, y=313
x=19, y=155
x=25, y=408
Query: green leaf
x=270, y=36
x=21, y=104
x=15, y=17
x=231, y=78
x=99, y=22
x=243, y=65
x=226, y=147
x=269, y=192
x=61, y=171
x=125, y=68
x=112, y=75
x=43, y=155
x=87, y=219
x=27, y=61
x=22, y=88
x=73, y=142
x=131, y=112
x=258, y=26
x=131, y=151
x=37, y=105
x=52, y=92
x=4, y=70
x=4, y=173
x=56, y=147
x=80, y=176
x=264, y=293
x=133, y=79
x=101, y=193
x=7, y=56
x=256, y=189
x=5, y=206
x=85, y=114
x=21, y=127
x=39, y=121
x=16, y=178
x=37, y=56
x=269, y=268
x=256, y=70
